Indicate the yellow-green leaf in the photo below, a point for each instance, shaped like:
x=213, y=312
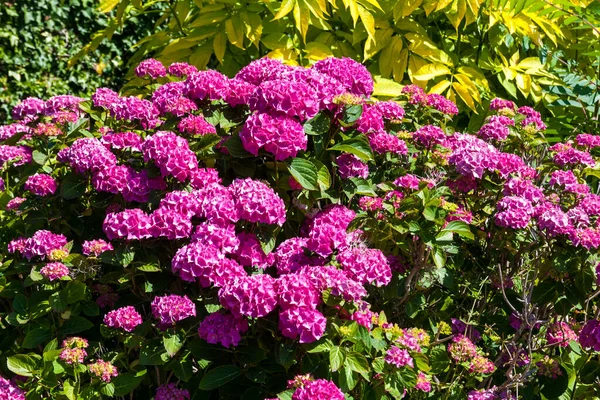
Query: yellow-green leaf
x=210, y=18
x=400, y=66
x=286, y=7
x=464, y=95
x=317, y=51
x=373, y=45
x=469, y=85
x=106, y=6
x=404, y=8
x=389, y=56
x=368, y=21
x=220, y=45
x=386, y=87
x=431, y=71
x=235, y=31
x=524, y=83
x=456, y=13
x=440, y=87
x=302, y=17
x=253, y=24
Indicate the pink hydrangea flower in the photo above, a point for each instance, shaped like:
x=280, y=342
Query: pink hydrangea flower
x=250, y=253
x=462, y=349
x=197, y=260
x=103, y=370
x=289, y=98
x=423, y=383
x=171, y=154
x=589, y=337
x=131, y=224
x=350, y=166
x=203, y=85
x=255, y=201
x=493, y=131
x=223, y=328
x=137, y=110
x=170, y=99
x=169, y=224
x=336, y=280
x=253, y=296
x=28, y=109
x=382, y=142
x=126, y=318
x=319, y=389
x=150, y=68
x=441, y=104
x=220, y=235
x=481, y=365
x=279, y=135
x=515, y=212
x=171, y=391
x=123, y=140
x=262, y=70
x=327, y=229
x=196, y=125
x=180, y=69
x=9, y=391
x=87, y=154
x=498, y=104
x=354, y=76
x=366, y=265
x=73, y=355
x=560, y=333
x=399, y=357
x=104, y=97
x=41, y=185
x=306, y=324
x=54, y=271
x=17, y=155
x=42, y=244
x=172, y=308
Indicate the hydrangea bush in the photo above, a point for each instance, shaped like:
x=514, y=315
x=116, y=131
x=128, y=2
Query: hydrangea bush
x=281, y=234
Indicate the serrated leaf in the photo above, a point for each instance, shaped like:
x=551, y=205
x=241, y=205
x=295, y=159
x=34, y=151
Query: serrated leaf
x=336, y=358
x=359, y=146
x=305, y=173
x=431, y=71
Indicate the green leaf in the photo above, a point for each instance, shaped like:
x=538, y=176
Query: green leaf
x=304, y=172
x=106, y=6
x=72, y=187
x=318, y=125
x=323, y=175
x=153, y=353
x=286, y=355
x=127, y=382
x=184, y=369
x=351, y=114
x=235, y=147
x=359, y=146
x=356, y=362
x=459, y=227
x=219, y=376
x=172, y=343
x=75, y=324
x=24, y=364
x=336, y=358
x=35, y=337
x=39, y=157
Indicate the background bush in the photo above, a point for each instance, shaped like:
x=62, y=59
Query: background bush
x=37, y=39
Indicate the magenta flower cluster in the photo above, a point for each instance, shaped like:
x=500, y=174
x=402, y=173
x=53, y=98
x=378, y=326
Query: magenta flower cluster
x=126, y=318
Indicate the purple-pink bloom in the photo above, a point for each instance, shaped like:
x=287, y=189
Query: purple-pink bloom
x=171, y=154
x=96, y=247
x=589, y=337
x=17, y=155
x=203, y=85
x=319, y=389
x=250, y=253
x=304, y=323
x=366, y=265
x=350, y=166
x=54, y=271
x=252, y=296
x=399, y=357
x=195, y=125
x=135, y=109
x=514, y=212
x=131, y=224
x=104, y=97
x=126, y=318
x=262, y=70
x=150, y=68
x=441, y=104
x=9, y=391
x=169, y=224
x=279, y=135
x=172, y=308
x=224, y=328
x=293, y=99
x=382, y=142
x=27, y=109
x=180, y=69
x=255, y=201
x=199, y=261
x=354, y=76
x=171, y=391
x=103, y=370
x=123, y=140
x=41, y=184
x=327, y=229
x=87, y=154
x=560, y=333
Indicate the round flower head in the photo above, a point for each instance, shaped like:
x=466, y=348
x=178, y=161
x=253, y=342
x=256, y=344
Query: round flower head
x=498, y=104
x=319, y=389
x=221, y=327
x=216, y=203
x=279, y=135
x=423, y=383
x=429, y=136
x=306, y=324
x=354, y=76
x=170, y=391
x=220, y=235
x=366, y=265
x=87, y=154
x=172, y=308
x=104, y=97
x=28, y=109
x=261, y=70
x=382, y=142
x=297, y=291
x=350, y=166
x=290, y=256
x=493, y=131
x=390, y=110
x=73, y=356
x=554, y=221
x=327, y=229
x=293, y=99
x=441, y=104
x=481, y=365
x=560, y=333
x=131, y=224
x=255, y=201
x=137, y=110
x=180, y=69
x=169, y=224
x=588, y=140
x=41, y=184
x=126, y=318
x=249, y=253
x=16, y=155
x=150, y=68
x=43, y=243
x=171, y=154
x=238, y=92
x=326, y=87
x=515, y=212
x=103, y=370
x=123, y=141
x=8, y=131
x=202, y=85
x=462, y=349
x=399, y=357
x=335, y=279
x=197, y=260
x=415, y=94
x=523, y=188
x=9, y=391
x=589, y=337
x=54, y=271
x=170, y=98
x=370, y=120
x=482, y=394
x=196, y=125
x=253, y=296
x=367, y=203
x=203, y=177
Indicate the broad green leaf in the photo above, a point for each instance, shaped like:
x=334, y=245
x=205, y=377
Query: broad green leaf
x=286, y=7
x=220, y=45
x=305, y=173
x=459, y=227
x=127, y=382
x=357, y=362
x=336, y=358
x=24, y=364
x=235, y=31
x=106, y=6
x=430, y=71
x=75, y=324
x=359, y=146
x=172, y=343
x=219, y=376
